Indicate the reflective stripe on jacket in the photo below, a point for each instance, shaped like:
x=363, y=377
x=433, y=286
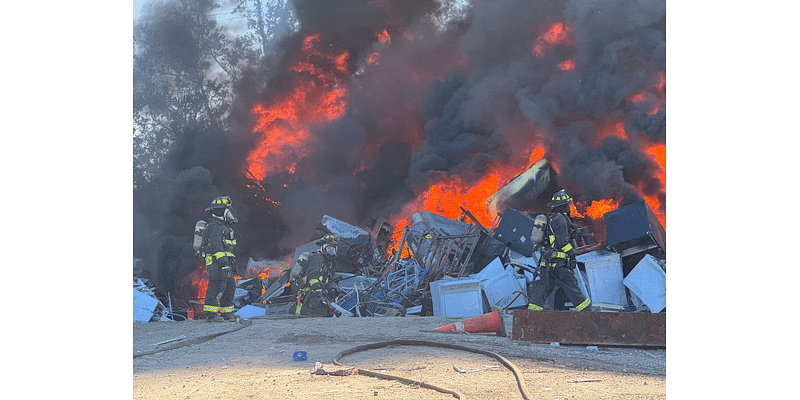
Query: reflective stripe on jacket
x=221, y=241
x=210, y=258
x=558, y=239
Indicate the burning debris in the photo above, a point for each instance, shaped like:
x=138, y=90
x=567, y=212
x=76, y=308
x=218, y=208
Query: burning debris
x=446, y=267
x=409, y=124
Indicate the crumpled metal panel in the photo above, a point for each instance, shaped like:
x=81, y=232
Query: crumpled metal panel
x=590, y=328
x=633, y=226
x=514, y=230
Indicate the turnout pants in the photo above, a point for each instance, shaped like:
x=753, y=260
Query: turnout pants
x=220, y=291
x=314, y=304
x=551, y=277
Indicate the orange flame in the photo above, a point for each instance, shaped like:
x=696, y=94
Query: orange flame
x=283, y=125
x=600, y=207
x=383, y=37
x=557, y=34
x=654, y=97
x=192, y=289
x=567, y=65
x=612, y=128
x=536, y=155
x=447, y=198
x=199, y=279
x=450, y=193
x=574, y=211
x=658, y=153
x=373, y=58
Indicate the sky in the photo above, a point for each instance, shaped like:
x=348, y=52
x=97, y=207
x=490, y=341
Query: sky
x=137, y=7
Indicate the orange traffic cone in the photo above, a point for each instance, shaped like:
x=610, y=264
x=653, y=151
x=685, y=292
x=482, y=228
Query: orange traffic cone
x=491, y=322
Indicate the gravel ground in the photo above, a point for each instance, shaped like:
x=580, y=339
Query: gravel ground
x=253, y=359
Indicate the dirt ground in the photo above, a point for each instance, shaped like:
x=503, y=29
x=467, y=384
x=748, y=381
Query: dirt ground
x=254, y=360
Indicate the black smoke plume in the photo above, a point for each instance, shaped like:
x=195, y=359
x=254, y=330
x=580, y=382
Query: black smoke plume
x=442, y=101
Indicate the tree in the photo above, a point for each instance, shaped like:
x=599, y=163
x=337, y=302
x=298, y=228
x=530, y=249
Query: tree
x=184, y=66
x=268, y=20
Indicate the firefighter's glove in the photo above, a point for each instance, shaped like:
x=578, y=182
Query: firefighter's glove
x=548, y=254
x=334, y=287
x=331, y=291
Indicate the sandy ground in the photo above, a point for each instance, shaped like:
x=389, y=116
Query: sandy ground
x=254, y=359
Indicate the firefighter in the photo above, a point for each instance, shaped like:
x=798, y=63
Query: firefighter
x=557, y=258
x=317, y=291
x=220, y=243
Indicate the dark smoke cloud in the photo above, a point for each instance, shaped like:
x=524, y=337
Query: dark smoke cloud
x=353, y=25
x=440, y=102
x=617, y=47
x=164, y=216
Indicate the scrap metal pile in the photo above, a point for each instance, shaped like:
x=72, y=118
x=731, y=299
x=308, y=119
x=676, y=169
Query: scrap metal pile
x=147, y=307
x=447, y=267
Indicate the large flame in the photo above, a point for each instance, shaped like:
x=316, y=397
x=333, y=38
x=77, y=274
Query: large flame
x=321, y=95
x=599, y=207
x=451, y=196
x=283, y=125
x=397, y=89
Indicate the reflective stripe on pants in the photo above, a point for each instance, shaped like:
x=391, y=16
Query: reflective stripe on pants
x=210, y=309
x=582, y=306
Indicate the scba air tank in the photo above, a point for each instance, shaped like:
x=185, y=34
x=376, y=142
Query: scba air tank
x=199, y=235
x=539, y=225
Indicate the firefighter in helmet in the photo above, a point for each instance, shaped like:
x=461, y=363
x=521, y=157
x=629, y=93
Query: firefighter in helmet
x=557, y=258
x=220, y=242
x=317, y=291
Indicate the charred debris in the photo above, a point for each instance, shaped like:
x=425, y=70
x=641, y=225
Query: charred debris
x=459, y=268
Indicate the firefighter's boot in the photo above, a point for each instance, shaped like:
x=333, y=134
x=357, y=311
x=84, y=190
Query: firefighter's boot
x=231, y=317
x=212, y=317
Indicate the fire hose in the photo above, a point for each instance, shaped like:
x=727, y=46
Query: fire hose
x=517, y=373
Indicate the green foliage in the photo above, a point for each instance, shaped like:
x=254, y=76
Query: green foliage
x=187, y=57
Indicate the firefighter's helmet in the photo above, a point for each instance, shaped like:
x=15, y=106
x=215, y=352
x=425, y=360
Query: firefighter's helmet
x=559, y=199
x=220, y=203
x=330, y=238
x=329, y=244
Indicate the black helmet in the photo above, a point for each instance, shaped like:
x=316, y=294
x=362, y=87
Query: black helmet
x=329, y=244
x=330, y=238
x=220, y=203
x=559, y=199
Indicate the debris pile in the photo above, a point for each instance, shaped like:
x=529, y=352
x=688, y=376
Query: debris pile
x=148, y=308
x=447, y=267
x=451, y=267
